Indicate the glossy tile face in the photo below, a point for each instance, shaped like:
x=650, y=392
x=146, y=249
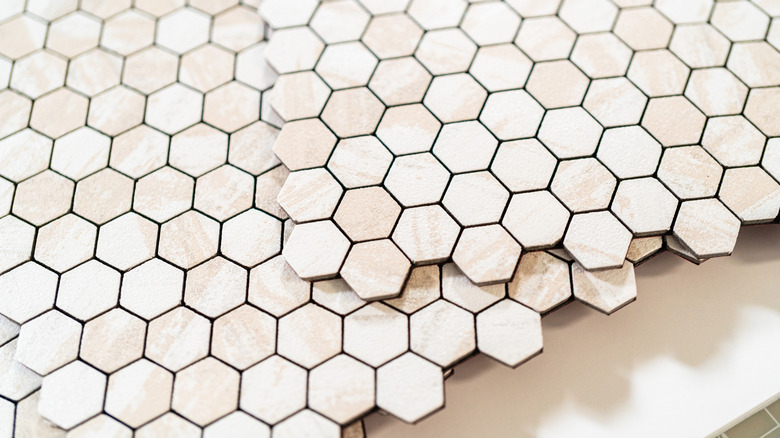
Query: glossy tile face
x=581, y=123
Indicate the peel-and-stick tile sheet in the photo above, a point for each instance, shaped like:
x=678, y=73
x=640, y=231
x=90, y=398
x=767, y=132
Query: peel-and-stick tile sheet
x=142, y=287
x=424, y=131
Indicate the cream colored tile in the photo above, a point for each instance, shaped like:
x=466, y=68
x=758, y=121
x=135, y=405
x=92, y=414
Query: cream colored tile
x=475, y=198
x=366, y=214
x=65, y=242
x=310, y=195
x=273, y=389
x=588, y=15
x=645, y=206
x=400, y=81
x=15, y=112
x=643, y=248
x=700, y=45
x=541, y=282
x=352, y=112
x=455, y=98
x=512, y=114
x=421, y=289
x=339, y=21
x=103, y=426
x=178, y=338
x=501, y=67
x=758, y=110
x=490, y=23
x=231, y=106
x=205, y=391
x=169, y=424
x=173, y=108
x=693, y=11
x=299, y=95
x=629, y=152
x=224, y=192
x=24, y=154
x=80, y=153
x=536, y=219
x=673, y=121
x=206, y=67
x=128, y=32
x=463, y=156
x=243, y=337
x=615, y=102
x=278, y=14
x=597, y=240
x=27, y=291
x=198, y=149
x=16, y=380
x=152, y=288
x=316, y=250
x=418, y=179
x=706, y=227
x=378, y=7
x=374, y=325
x=442, y=333
x=307, y=422
x=606, y=291
x=127, y=241
x=88, y=290
x=103, y=196
x=583, y=184
x=29, y=35
x=237, y=422
x=756, y=63
x=523, y=165
x=150, y=69
x=336, y=296
x=251, y=237
x=48, y=342
x=163, y=194
x=275, y=288
x=346, y=65
x=376, y=270
x=458, y=289
x=392, y=36
x=295, y=49
x=716, y=91
x=72, y=394
x=245, y=153
x=112, y=340
x=139, y=393
x=643, y=28
x=16, y=241
x=487, y=254
x=104, y=9
x=183, y=30
x=48, y=118
x=426, y=234
x=188, y=239
x=215, y=287
x=94, y=72
x=570, y=132
x=532, y=8
x=658, y=73
x=304, y=144
x=158, y=8
x=690, y=172
x=601, y=55
x=139, y=151
x=38, y=74
x=740, y=21
x=543, y=84
x=213, y=7
x=543, y=38
x=7, y=417
x=116, y=110
x=509, y=333
x=309, y=336
x=410, y=388
x=342, y=389
x=446, y=51
x=373, y=157
x=733, y=141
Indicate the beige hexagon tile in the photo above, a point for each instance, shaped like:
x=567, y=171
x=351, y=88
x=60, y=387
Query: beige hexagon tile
x=541, y=282
x=255, y=330
x=112, y=340
x=606, y=291
x=442, y=333
x=139, y=392
x=178, y=338
x=487, y=254
x=342, y=389
x=273, y=389
x=48, y=342
x=152, y=288
x=509, y=332
x=205, y=391
x=72, y=394
x=309, y=336
x=410, y=387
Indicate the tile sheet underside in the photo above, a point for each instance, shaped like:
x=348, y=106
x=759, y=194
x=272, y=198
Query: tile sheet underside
x=477, y=129
x=142, y=290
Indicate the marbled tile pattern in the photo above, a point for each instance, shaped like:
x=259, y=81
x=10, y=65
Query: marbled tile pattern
x=143, y=284
x=533, y=124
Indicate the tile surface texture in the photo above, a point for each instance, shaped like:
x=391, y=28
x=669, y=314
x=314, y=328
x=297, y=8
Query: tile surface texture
x=163, y=273
x=574, y=123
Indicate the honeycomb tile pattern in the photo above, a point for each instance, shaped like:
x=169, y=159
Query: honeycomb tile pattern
x=495, y=128
x=148, y=295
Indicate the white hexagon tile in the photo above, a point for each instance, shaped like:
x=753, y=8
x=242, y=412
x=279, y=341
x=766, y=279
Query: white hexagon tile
x=483, y=130
x=145, y=288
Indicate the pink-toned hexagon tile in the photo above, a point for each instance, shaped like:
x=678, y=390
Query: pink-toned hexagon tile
x=424, y=131
x=147, y=294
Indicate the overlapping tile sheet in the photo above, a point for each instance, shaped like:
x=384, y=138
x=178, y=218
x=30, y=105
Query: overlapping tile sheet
x=481, y=130
x=142, y=289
